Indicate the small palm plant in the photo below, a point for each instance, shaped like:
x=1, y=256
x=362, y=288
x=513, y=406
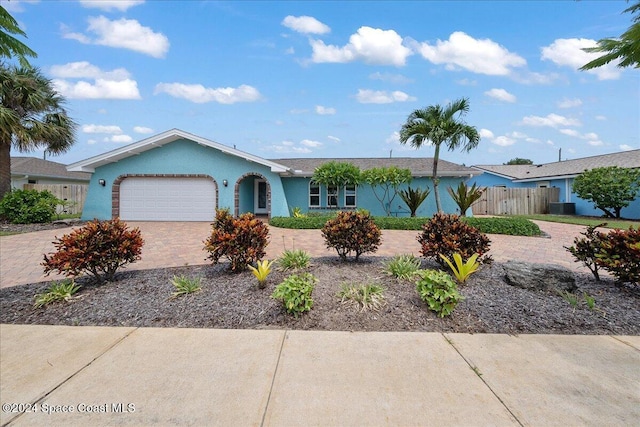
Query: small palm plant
x=462, y=270
x=185, y=285
x=261, y=272
x=58, y=291
x=414, y=198
x=293, y=259
x=465, y=196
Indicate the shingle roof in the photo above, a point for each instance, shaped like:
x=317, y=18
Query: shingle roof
x=35, y=167
x=567, y=168
x=417, y=166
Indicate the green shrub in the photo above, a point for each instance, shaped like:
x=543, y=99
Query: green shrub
x=241, y=240
x=364, y=297
x=403, y=267
x=28, y=206
x=395, y=223
x=438, y=290
x=446, y=234
x=98, y=248
x=185, y=285
x=351, y=232
x=619, y=254
x=295, y=293
x=311, y=221
x=293, y=259
x=58, y=291
x=504, y=225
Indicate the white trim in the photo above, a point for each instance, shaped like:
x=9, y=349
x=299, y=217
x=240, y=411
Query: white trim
x=319, y=195
x=90, y=164
x=567, y=190
x=543, y=178
x=355, y=196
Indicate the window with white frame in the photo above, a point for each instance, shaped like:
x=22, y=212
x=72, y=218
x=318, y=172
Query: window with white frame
x=314, y=195
x=350, y=196
x=332, y=196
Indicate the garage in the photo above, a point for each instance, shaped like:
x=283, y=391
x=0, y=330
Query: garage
x=167, y=199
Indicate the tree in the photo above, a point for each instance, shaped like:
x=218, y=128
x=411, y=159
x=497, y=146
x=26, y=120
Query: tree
x=414, y=198
x=31, y=116
x=626, y=48
x=9, y=45
x=609, y=188
x=437, y=125
x=388, y=179
x=337, y=174
x=519, y=161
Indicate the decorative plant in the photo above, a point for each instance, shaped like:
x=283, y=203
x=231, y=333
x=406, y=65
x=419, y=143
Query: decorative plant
x=241, y=240
x=438, y=290
x=337, y=174
x=295, y=293
x=585, y=248
x=384, y=182
x=462, y=270
x=58, y=291
x=403, y=267
x=364, y=297
x=465, y=196
x=351, y=232
x=414, y=198
x=28, y=206
x=261, y=272
x=297, y=213
x=619, y=254
x=99, y=248
x=293, y=259
x=184, y=285
x=446, y=234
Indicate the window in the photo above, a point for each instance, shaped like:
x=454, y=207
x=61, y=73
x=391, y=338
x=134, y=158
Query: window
x=350, y=196
x=314, y=194
x=332, y=196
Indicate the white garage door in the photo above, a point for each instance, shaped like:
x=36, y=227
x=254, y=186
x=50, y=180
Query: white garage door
x=167, y=199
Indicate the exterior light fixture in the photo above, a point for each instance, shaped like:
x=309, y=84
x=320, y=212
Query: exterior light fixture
x=102, y=182
x=225, y=182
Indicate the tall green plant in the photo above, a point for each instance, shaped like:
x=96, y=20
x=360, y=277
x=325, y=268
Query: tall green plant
x=465, y=196
x=610, y=188
x=337, y=174
x=414, y=198
x=10, y=46
x=384, y=183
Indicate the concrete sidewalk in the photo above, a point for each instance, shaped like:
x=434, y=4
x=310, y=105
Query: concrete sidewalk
x=146, y=376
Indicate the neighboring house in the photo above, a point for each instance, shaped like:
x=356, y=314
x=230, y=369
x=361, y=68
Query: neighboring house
x=31, y=170
x=560, y=175
x=183, y=177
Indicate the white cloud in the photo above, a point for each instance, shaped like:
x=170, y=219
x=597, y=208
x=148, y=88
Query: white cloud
x=390, y=78
x=305, y=25
x=123, y=33
x=569, y=53
x=369, y=45
x=466, y=82
x=368, y=96
x=110, y=129
x=120, y=139
x=625, y=147
x=591, y=136
x=551, y=120
x=310, y=143
x=287, y=147
x=570, y=132
x=16, y=6
x=501, y=94
x=481, y=56
x=393, y=138
x=334, y=138
x=200, y=94
x=84, y=69
x=323, y=111
x=504, y=141
x=100, y=89
x=595, y=143
x=108, y=5
x=142, y=129
x=486, y=133
x=569, y=103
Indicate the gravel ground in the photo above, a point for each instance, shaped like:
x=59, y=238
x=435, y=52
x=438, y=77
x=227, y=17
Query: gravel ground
x=227, y=300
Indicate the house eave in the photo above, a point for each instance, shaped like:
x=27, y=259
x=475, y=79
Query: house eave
x=546, y=178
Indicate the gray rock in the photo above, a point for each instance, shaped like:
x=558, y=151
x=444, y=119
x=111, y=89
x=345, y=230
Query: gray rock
x=547, y=277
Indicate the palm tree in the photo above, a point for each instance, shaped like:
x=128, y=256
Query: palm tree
x=31, y=116
x=9, y=45
x=437, y=125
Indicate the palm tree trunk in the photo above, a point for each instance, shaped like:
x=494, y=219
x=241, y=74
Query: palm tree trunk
x=5, y=167
x=434, y=176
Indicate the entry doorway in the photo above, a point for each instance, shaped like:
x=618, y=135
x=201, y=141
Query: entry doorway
x=260, y=197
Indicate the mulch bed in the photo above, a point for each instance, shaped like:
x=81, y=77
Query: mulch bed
x=228, y=300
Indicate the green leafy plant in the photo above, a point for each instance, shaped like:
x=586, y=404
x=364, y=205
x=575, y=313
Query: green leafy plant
x=261, y=272
x=446, y=234
x=351, y=232
x=185, y=285
x=403, y=267
x=293, y=259
x=438, y=290
x=58, y=291
x=609, y=188
x=297, y=212
x=569, y=297
x=585, y=248
x=384, y=182
x=465, y=196
x=364, y=297
x=295, y=293
x=619, y=254
x=414, y=198
x=462, y=270
x=28, y=206
x=589, y=300
x=99, y=248
x=241, y=240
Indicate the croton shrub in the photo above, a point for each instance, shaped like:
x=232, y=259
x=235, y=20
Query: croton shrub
x=352, y=231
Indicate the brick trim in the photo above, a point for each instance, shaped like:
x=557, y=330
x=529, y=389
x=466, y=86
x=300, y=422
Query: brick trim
x=115, y=188
x=236, y=193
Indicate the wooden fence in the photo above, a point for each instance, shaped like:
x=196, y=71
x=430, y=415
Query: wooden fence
x=515, y=201
x=73, y=194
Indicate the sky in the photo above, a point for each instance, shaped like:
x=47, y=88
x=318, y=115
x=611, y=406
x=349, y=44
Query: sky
x=336, y=78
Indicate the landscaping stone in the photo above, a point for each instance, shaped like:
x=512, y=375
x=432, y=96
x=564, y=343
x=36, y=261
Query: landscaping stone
x=542, y=277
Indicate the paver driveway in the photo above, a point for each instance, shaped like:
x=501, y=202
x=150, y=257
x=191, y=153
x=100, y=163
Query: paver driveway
x=173, y=244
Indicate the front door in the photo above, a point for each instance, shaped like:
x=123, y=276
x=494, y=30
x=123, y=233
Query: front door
x=260, y=197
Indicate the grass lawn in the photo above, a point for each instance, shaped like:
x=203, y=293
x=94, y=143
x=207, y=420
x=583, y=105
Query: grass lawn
x=583, y=220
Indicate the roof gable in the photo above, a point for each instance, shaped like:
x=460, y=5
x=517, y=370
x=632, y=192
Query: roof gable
x=35, y=167
x=90, y=164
